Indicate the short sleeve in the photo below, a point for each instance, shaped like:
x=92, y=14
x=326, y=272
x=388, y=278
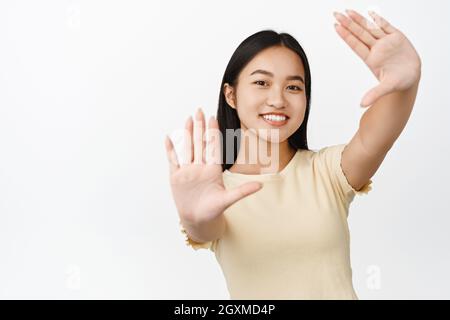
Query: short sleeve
x=331, y=158
x=194, y=244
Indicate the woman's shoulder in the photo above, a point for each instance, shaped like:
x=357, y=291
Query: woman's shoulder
x=325, y=151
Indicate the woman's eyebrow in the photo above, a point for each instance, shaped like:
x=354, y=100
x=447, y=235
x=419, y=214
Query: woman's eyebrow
x=270, y=74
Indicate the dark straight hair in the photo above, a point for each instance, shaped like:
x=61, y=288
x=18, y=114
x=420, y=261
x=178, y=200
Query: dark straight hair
x=227, y=116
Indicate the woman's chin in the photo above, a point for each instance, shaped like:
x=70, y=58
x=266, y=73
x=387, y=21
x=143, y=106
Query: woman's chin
x=271, y=139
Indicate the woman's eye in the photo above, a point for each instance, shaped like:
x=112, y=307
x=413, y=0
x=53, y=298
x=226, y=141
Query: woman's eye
x=297, y=88
x=259, y=82
x=262, y=82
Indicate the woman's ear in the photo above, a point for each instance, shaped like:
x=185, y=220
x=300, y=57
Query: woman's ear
x=228, y=92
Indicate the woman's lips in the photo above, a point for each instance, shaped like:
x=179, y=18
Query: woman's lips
x=275, y=123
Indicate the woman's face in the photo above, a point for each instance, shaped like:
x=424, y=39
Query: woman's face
x=271, y=83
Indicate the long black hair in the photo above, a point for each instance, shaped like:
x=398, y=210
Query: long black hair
x=250, y=47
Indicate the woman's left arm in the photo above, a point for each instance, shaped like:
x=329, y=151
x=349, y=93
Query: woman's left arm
x=395, y=63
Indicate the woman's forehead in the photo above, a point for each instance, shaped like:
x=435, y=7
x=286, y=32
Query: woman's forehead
x=279, y=61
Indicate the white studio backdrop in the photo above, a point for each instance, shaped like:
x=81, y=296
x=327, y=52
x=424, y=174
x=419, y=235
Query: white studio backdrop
x=88, y=90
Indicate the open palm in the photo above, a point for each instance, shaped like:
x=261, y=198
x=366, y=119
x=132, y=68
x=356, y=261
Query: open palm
x=384, y=49
x=197, y=184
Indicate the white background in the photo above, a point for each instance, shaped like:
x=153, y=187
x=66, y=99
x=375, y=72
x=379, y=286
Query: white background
x=88, y=89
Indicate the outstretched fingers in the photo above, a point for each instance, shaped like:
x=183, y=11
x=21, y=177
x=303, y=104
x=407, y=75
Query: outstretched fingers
x=353, y=42
x=361, y=33
x=375, y=93
x=236, y=194
x=214, y=144
x=199, y=141
x=382, y=23
x=188, y=141
x=171, y=155
x=369, y=26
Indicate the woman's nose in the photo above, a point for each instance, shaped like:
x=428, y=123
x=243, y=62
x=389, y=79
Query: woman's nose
x=276, y=98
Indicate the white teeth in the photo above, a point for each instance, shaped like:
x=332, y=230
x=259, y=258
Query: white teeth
x=272, y=117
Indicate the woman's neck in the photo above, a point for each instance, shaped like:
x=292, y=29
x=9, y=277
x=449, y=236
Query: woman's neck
x=273, y=157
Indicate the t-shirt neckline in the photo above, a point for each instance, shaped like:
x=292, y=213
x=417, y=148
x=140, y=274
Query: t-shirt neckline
x=266, y=176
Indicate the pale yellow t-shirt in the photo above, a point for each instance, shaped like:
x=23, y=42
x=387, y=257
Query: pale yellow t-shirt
x=289, y=240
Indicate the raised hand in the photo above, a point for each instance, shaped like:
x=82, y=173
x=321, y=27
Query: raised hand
x=197, y=184
x=386, y=51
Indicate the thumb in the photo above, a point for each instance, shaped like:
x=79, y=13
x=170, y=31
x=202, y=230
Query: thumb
x=374, y=94
x=236, y=194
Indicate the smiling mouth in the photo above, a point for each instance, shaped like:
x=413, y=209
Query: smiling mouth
x=275, y=120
